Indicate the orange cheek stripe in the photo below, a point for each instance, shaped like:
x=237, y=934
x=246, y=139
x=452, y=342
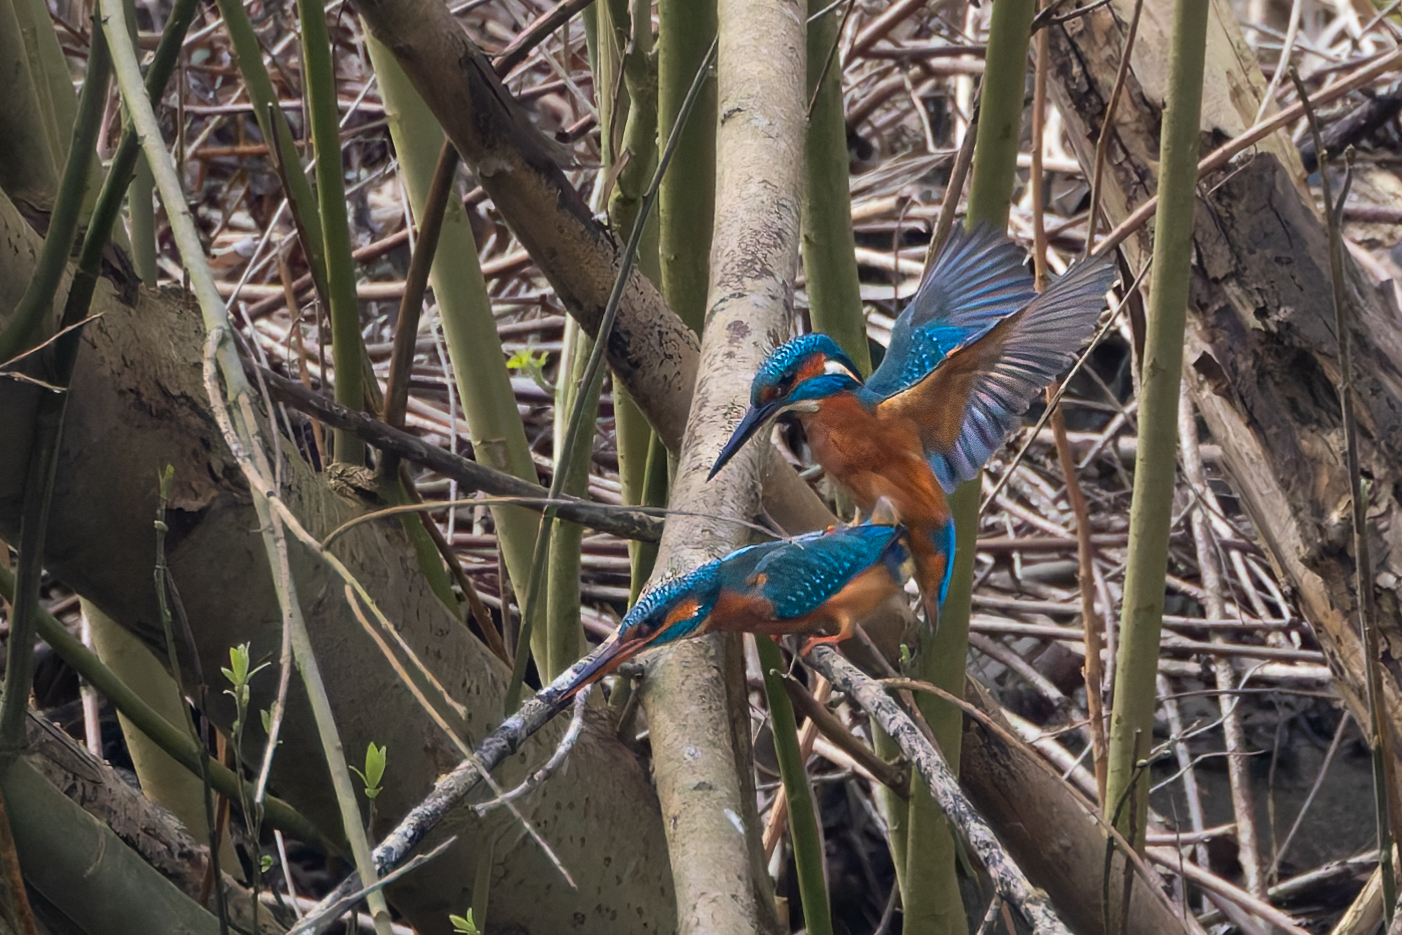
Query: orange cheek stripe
x=813, y=368
x=682, y=611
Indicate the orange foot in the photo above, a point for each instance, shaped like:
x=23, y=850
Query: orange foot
x=846, y=627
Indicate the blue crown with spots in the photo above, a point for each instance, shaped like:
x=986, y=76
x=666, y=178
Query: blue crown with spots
x=784, y=362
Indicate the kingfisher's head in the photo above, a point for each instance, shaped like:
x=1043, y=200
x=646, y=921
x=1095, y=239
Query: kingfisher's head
x=675, y=609
x=796, y=377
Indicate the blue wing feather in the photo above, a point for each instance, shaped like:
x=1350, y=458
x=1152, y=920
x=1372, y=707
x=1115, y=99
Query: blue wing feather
x=978, y=279
x=1036, y=347
x=813, y=569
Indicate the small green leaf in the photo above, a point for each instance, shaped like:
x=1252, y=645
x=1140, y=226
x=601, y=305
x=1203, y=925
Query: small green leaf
x=265, y=863
x=374, y=770
x=375, y=763
x=463, y=925
x=237, y=673
x=532, y=363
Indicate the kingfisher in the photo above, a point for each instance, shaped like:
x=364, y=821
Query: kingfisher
x=966, y=357
x=821, y=584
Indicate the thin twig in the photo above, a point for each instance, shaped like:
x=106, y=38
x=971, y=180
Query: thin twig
x=1223, y=154
x=1030, y=903
x=1379, y=727
x=630, y=524
x=1107, y=126
x=562, y=750
x=1233, y=733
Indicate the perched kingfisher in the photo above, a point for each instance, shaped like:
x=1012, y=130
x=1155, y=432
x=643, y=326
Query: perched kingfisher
x=816, y=583
x=965, y=359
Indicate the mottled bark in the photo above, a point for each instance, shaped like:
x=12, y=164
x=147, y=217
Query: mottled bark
x=700, y=723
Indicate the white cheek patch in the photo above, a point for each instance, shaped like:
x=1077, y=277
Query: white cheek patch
x=835, y=367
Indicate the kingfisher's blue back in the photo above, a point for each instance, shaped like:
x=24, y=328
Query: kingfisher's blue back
x=793, y=576
x=810, y=584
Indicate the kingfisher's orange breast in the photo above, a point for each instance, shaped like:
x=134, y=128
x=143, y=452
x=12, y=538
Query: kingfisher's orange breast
x=876, y=456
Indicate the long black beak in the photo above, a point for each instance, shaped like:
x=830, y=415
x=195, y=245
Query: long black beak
x=611, y=654
x=755, y=419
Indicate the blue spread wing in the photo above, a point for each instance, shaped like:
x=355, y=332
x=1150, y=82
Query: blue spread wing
x=812, y=569
x=967, y=406
x=977, y=280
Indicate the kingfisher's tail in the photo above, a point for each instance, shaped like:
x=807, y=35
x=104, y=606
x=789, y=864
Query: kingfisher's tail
x=932, y=550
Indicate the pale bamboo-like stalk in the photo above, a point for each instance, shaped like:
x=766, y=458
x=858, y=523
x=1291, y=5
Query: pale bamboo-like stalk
x=26, y=323
x=465, y=310
x=119, y=893
x=637, y=97
x=563, y=637
x=1132, y=714
x=32, y=146
x=141, y=210
x=686, y=203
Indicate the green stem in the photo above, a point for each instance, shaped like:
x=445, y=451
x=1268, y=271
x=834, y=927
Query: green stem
x=686, y=204
x=124, y=163
x=141, y=210
x=273, y=125
x=1000, y=111
x=26, y=324
x=931, y=899
x=805, y=834
x=56, y=365
x=931, y=896
x=1141, y=616
x=656, y=482
x=829, y=250
x=347, y=349
x=564, y=637
x=465, y=310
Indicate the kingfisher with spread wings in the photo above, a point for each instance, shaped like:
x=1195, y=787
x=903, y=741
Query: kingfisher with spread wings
x=966, y=357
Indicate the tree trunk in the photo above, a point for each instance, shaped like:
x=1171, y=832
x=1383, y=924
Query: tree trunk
x=1261, y=357
x=138, y=405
